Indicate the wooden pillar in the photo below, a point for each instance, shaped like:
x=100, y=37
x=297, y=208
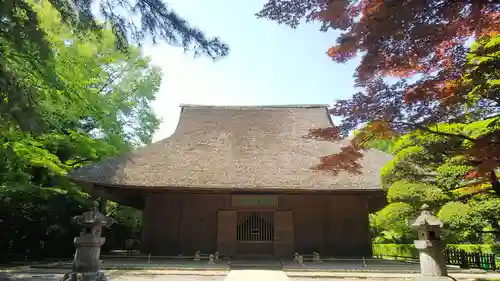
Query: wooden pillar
x=283, y=234
x=226, y=233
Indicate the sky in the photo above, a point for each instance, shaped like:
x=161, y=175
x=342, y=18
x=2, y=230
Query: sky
x=268, y=64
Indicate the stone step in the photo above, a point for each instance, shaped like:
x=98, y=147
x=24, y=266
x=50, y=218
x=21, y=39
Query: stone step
x=256, y=275
x=255, y=264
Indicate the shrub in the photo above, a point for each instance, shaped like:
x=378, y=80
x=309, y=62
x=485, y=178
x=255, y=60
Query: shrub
x=409, y=251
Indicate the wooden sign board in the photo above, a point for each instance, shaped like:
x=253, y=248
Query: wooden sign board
x=261, y=201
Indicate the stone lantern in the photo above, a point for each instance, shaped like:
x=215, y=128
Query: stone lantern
x=88, y=246
x=430, y=247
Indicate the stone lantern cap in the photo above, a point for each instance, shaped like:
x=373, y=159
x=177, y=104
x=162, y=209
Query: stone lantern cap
x=426, y=219
x=93, y=218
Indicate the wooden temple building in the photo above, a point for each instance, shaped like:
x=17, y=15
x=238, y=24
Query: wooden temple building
x=239, y=180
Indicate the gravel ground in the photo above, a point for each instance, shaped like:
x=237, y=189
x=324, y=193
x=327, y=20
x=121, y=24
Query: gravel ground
x=120, y=275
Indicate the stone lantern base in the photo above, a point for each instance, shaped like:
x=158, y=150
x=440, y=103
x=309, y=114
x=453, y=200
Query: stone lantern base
x=87, y=276
x=434, y=278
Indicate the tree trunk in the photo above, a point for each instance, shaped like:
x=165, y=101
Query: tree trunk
x=103, y=205
x=495, y=184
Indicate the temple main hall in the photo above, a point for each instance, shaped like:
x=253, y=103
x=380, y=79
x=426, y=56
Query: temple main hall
x=239, y=180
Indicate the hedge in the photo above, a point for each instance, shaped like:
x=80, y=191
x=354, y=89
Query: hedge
x=408, y=250
x=36, y=223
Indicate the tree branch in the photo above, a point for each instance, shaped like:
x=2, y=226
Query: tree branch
x=483, y=55
x=495, y=184
x=111, y=79
x=469, y=195
x=81, y=161
x=492, y=117
x=444, y=134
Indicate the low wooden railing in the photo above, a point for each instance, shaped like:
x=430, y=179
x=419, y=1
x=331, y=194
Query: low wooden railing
x=470, y=259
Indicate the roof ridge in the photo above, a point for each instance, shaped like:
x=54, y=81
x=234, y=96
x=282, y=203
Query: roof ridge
x=255, y=106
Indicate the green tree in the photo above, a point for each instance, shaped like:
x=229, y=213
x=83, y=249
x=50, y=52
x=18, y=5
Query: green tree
x=390, y=224
x=131, y=22
x=463, y=92
x=374, y=141
x=107, y=112
x=426, y=169
x=128, y=225
x=25, y=46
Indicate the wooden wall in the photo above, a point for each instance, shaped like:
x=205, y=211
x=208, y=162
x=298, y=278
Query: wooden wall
x=334, y=225
x=175, y=223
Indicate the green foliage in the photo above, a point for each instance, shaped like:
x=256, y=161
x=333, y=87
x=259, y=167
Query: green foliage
x=35, y=222
x=415, y=194
x=426, y=169
x=395, y=250
x=462, y=222
x=25, y=43
x=382, y=145
x=487, y=206
x=385, y=145
x=467, y=144
x=391, y=223
x=456, y=214
x=482, y=78
x=108, y=111
x=126, y=217
x=418, y=155
x=409, y=250
x=433, y=163
x=128, y=224
x=99, y=105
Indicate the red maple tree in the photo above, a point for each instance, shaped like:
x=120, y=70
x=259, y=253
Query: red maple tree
x=423, y=45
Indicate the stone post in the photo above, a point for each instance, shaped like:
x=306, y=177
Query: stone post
x=197, y=256
x=301, y=260
x=430, y=247
x=88, y=246
x=211, y=259
x=316, y=257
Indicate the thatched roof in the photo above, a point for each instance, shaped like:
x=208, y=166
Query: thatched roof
x=235, y=147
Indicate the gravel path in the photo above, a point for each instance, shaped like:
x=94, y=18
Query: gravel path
x=234, y=275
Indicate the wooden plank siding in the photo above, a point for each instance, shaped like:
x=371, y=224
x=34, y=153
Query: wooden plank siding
x=283, y=233
x=226, y=233
x=334, y=225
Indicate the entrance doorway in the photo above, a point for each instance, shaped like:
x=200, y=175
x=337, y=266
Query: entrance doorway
x=255, y=232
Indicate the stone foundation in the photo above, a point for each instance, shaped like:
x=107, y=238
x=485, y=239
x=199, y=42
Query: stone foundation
x=88, y=276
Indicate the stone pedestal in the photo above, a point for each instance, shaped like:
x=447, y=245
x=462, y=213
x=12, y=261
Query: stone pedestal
x=86, y=263
x=87, y=253
x=84, y=276
x=432, y=261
